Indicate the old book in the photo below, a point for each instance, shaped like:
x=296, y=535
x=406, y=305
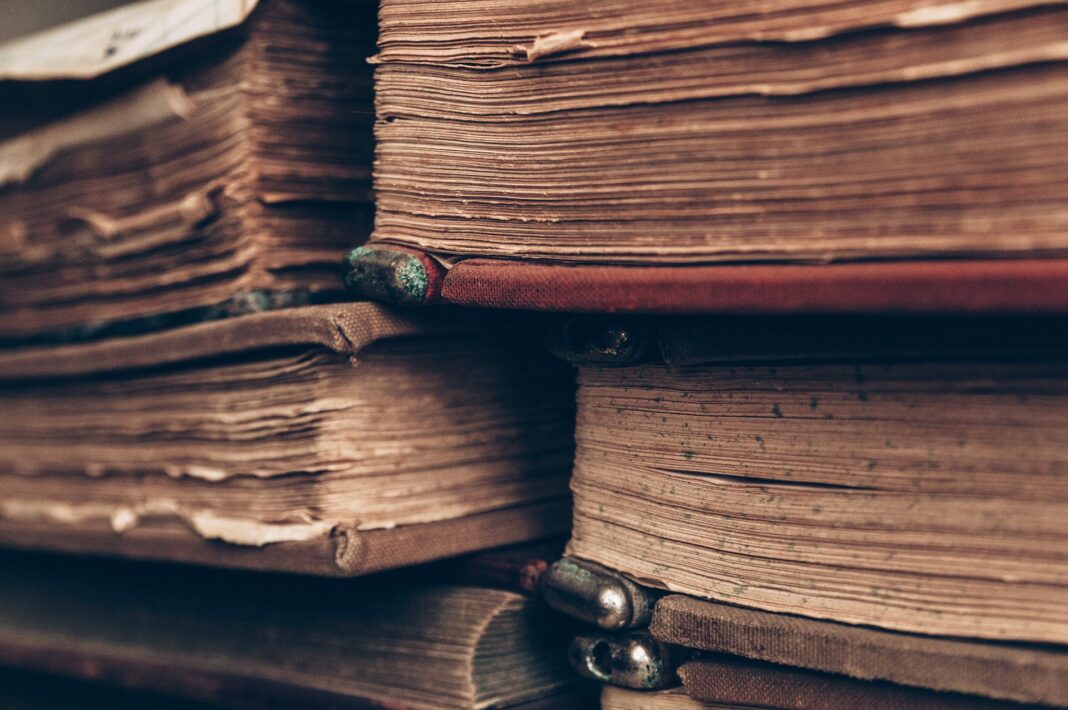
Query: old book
x=702, y=132
x=250, y=640
x=328, y=439
x=727, y=683
x=174, y=158
x=1022, y=673
x=619, y=650
x=916, y=494
x=744, y=683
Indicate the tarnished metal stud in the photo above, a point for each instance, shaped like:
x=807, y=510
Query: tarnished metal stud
x=603, y=340
x=392, y=275
x=633, y=660
x=596, y=595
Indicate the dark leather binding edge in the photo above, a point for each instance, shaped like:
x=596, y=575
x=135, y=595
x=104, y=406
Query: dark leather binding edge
x=620, y=340
x=695, y=340
x=733, y=681
x=959, y=286
x=1011, y=672
x=344, y=328
x=343, y=554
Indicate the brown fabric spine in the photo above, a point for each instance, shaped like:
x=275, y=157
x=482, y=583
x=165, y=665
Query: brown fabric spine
x=1003, y=285
x=347, y=554
x=1022, y=674
x=344, y=328
x=375, y=550
x=735, y=681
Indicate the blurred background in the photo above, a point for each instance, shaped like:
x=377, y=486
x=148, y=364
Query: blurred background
x=23, y=17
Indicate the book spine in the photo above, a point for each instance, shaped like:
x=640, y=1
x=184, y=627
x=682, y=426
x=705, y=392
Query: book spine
x=401, y=275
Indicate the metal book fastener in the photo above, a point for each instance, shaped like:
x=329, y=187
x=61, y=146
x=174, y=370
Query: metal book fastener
x=395, y=275
x=632, y=660
x=596, y=594
x=601, y=340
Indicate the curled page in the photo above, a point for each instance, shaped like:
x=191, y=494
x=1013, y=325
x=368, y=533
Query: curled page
x=102, y=43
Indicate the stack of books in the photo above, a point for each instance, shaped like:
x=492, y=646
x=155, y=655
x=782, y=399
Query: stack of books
x=833, y=518
x=587, y=142
x=815, y=502
x=772, y=299
x=184, y=379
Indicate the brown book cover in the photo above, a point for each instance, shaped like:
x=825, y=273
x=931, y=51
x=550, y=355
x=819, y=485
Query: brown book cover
x=253, y=640
x=738, y=682
x=330, y=439
x=1022, y=673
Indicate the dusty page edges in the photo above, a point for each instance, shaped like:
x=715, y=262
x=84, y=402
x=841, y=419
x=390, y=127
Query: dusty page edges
x=153, y=104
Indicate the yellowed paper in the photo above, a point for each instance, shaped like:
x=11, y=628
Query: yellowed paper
x=101, y=43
